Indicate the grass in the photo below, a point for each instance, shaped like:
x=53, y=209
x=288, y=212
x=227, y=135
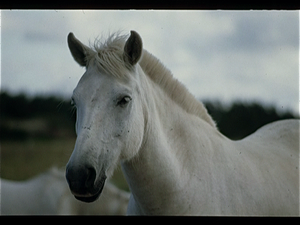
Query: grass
x=21, y=160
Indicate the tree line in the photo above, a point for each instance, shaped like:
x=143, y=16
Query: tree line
x=17, y=112
x=241, y=119
x=235, y=121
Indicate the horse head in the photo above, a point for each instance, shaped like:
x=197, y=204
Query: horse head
x=110, y=122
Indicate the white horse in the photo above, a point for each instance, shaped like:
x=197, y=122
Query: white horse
x=48, y=194
x=131, y=110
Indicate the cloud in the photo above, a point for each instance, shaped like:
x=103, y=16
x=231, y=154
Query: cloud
x=216, y=54
x=41, y=36
x=253, y=54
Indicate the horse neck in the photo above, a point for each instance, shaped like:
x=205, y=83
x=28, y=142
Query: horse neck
x=169, y=151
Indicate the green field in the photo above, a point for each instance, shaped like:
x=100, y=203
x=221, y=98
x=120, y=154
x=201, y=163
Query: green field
x=21, y=160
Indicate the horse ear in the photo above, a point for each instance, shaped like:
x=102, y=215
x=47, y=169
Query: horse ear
x=133, y=48
x=78, y=50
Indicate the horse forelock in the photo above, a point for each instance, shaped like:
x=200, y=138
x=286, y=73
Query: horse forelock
x=107, y=54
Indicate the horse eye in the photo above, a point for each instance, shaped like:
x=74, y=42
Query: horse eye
x=124, y=101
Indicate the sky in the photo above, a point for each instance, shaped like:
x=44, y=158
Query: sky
x=217, y=55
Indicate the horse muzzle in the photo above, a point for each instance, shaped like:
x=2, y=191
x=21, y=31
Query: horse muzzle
x=84, y=183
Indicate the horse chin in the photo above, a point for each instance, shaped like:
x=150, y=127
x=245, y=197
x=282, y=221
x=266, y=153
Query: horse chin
x=90, y=198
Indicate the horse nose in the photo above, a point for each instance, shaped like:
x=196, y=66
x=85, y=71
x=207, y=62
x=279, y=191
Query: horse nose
x=81, y=179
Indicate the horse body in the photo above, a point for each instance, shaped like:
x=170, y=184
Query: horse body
x=36, y=196
x=48, y=194
x=131, y=110
x=190, y=168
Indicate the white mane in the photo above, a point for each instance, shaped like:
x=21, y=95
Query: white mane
x=109, y=57
x=176, y=90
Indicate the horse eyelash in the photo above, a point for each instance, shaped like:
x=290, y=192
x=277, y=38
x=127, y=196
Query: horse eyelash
x=73, y=102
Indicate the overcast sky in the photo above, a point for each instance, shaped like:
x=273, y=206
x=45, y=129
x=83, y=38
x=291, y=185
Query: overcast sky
x=224, y=55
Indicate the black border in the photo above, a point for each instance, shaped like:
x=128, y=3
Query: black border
x=151, y=4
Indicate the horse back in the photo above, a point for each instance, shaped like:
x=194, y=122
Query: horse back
x=283, y=134
x=272, y=153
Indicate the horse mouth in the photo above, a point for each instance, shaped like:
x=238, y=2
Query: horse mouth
x=90, y=197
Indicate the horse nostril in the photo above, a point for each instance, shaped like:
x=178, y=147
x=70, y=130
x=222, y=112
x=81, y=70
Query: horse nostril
x=91, y=176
